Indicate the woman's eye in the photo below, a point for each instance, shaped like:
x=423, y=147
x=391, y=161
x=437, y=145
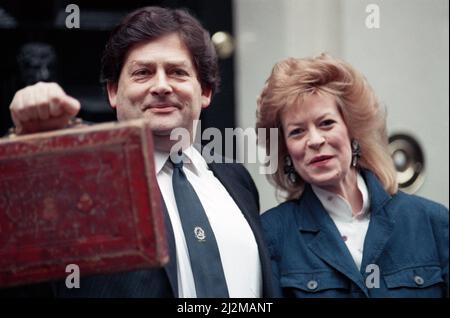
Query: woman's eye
x=296, y=131
x=327, y=122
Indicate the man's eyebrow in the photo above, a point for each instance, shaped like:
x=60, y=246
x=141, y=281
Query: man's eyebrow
x=151, y=63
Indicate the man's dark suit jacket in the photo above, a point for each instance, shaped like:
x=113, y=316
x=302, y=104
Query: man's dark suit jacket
x=163, y=282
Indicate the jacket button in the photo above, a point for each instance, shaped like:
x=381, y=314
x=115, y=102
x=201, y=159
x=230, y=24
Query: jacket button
x=312, y=284
x=418, y=280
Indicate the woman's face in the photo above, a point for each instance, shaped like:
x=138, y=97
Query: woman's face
x=317, y=139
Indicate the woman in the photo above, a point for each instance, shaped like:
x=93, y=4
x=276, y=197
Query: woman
x=346, y=230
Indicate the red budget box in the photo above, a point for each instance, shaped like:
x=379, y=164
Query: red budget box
x=86, y=196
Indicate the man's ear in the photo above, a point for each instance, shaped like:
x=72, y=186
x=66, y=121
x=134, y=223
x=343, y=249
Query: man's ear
x=111, y=87
x=206, y=96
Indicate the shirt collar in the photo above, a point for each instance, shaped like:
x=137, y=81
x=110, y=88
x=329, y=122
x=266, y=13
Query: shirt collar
x=160, y=160
x=194, y=160
x=338, y=207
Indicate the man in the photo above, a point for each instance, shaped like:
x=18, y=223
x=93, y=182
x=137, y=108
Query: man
x=160, y=64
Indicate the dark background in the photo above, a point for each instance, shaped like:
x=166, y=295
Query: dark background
x=79, y=51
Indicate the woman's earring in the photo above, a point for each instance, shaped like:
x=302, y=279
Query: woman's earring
x=289, y=169
x=356, y=152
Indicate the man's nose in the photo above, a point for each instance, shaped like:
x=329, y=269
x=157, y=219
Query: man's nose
x=160, y=85
x=315, y=139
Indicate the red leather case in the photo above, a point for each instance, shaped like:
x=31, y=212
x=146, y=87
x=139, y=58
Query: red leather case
x=86, y=196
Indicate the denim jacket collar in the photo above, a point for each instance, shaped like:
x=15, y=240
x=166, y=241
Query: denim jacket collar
x=325, y=241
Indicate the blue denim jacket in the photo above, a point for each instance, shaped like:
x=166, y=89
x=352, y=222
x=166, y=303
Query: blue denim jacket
x=405, y=249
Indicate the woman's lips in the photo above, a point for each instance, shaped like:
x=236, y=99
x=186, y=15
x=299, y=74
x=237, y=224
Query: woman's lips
x=320, y=160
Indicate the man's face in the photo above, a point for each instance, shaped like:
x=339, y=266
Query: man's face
x=159, y=82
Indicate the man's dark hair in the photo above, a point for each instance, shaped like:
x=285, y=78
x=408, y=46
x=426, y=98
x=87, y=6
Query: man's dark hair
x=150, y=23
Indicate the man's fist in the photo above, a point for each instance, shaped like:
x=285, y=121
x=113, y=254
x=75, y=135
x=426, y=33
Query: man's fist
x=40, y=107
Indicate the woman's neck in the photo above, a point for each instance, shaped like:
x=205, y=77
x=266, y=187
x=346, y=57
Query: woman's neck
x=348, y=189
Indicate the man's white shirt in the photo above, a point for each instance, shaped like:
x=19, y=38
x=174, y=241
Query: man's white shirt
x=236, y=242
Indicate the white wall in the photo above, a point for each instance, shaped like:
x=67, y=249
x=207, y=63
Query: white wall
x=405, y=60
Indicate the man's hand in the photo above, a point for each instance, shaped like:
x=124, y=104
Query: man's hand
x=40, y=107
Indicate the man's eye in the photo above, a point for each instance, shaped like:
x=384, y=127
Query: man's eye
x=179, y=72
x=142, y=72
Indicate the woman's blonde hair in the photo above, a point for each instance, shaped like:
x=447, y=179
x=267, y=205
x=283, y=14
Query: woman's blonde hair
x=293, y=79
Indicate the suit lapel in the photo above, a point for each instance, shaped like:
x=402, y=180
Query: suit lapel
x=240, y=195
x=323, y=238
x=381, y=223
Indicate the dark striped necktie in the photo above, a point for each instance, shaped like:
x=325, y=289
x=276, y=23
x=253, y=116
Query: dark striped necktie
x=202, y=246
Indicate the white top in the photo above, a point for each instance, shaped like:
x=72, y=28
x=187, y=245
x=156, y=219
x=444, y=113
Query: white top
x=235, y=239
x=353, y=229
